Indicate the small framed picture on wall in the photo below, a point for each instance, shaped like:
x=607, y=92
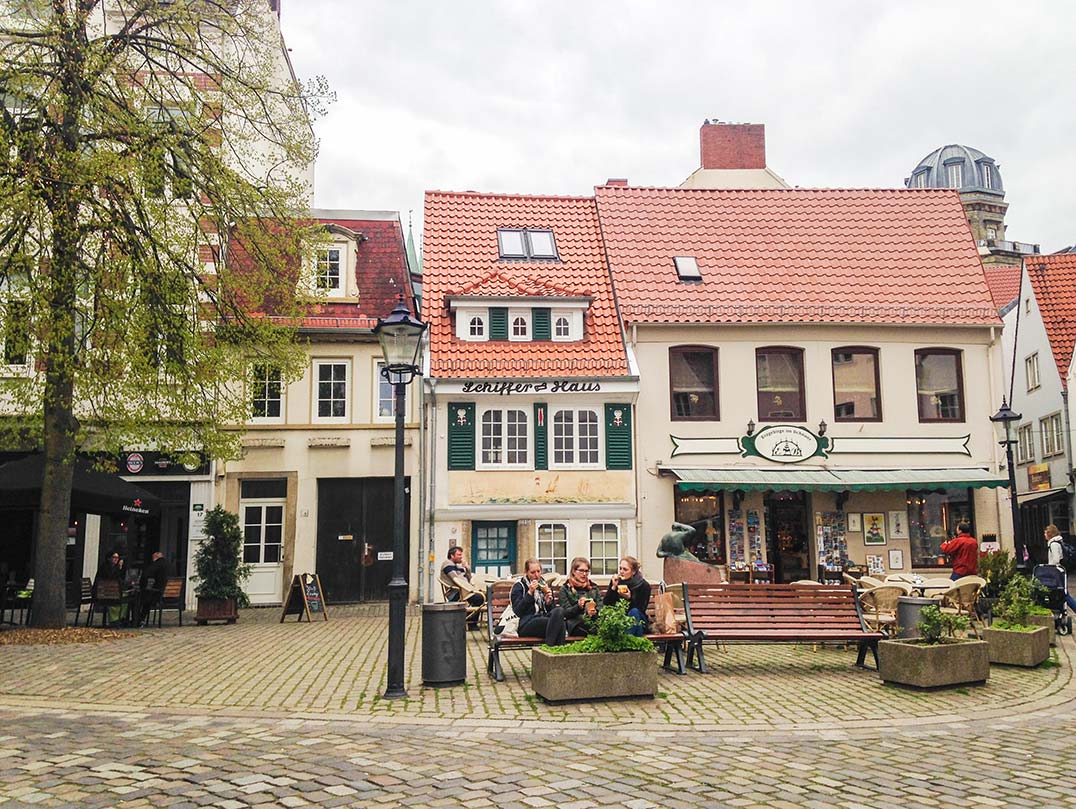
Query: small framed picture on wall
x=898, y=525
x=896, y=559
x=874, y=529
x=855, y=523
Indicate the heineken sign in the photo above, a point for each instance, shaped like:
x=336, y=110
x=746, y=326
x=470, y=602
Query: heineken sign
x=784, y=443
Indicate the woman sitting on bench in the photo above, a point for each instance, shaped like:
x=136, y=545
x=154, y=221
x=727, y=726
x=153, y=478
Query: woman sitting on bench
x=532, y=602
x=629, y=585
x=579, y=597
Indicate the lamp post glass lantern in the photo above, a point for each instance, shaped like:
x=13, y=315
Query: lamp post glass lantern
x=1004, y=421
x=400, y=336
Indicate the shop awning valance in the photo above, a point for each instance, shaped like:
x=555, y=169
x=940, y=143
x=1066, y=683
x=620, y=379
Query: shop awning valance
x=832, y=480
x=1041, y=494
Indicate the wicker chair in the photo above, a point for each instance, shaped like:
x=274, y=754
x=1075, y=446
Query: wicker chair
x=869, y=583
x=962, y=598
x=880, y=605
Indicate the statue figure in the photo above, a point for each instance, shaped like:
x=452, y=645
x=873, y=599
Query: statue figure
x=673, y=544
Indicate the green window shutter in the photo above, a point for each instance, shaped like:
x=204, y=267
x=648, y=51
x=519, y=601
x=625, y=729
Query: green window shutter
x=498, y=323
x=461, y=435
x=541, y=329
x=617, y=436
x=541, y=436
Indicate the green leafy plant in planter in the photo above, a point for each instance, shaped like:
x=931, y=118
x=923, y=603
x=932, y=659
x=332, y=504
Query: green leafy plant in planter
x=219, y=568
x=609, y=633
x=998, y=568
x=936, y=626
x=937, y=658
x=1015, y=605
x=1013, y=637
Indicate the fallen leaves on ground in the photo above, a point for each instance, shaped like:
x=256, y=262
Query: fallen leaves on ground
x=59, y=637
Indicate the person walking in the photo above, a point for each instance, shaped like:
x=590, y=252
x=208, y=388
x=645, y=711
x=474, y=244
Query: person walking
x=1055, y=553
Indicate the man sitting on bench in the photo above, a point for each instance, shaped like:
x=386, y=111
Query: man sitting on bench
x=455, y=574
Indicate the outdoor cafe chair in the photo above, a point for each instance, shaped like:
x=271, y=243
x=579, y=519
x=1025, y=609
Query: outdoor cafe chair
x=80, y=597
x=171, y=599
x=962, y=599
x=900, y=577
x=869, y=583
x=880, y=605
x=109, y=593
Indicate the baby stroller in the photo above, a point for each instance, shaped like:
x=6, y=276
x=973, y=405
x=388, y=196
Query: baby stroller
x=1055, y=581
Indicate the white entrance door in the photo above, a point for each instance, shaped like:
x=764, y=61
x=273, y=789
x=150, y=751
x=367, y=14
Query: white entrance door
x=263, y=535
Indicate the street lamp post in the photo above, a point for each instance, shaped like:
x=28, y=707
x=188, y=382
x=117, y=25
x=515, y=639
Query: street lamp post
x=400, y=336
x=1004, y=420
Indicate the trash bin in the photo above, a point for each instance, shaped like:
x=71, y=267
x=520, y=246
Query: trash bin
x=444, y=644
x=908, y=609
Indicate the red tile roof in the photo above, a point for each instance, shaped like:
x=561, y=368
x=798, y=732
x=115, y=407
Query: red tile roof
x=460, y=252
x=1053, y=278
x=832, y=256
x=1004, y=282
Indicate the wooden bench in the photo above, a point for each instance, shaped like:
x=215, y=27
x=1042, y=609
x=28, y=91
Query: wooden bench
x=775, y=613
x=498, y=597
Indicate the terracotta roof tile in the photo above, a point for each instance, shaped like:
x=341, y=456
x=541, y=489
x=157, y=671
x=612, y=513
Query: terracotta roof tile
x=833, y=256
x=460, y=252
x=1053, y=278
x=1004, y=282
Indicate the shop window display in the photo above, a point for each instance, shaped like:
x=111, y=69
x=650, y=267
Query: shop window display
x=705, y=512
x=932, y=518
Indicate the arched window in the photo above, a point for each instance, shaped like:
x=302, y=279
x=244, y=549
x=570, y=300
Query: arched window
x=563, y=328
x=477, y=327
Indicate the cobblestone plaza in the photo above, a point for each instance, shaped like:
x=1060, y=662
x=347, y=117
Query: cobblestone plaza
x=262, y=713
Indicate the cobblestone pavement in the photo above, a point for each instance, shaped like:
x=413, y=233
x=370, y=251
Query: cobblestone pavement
x=264, y=713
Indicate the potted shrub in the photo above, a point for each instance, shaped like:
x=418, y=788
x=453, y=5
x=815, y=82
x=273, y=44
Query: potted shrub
x=607, y=663
x=219, y=569
x=1039, y=614
x=1013, y=639
x=998, y=568
x=937, y=657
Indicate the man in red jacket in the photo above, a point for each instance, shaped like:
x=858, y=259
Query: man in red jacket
x=963, y=551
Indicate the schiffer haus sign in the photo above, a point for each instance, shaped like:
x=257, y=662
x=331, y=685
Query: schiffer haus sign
x=508, y=387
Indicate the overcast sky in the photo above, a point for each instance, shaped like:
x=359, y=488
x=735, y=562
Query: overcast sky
x=556, y=97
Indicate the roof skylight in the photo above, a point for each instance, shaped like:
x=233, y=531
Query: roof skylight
x=687, y=268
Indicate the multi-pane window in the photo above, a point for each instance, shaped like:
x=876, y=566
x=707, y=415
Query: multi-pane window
x=16, y=333
x=1025, y=444
x=476, y=327
x=526, y=244
x=575, y=437
x=954, y=173
x=267, y=393
x=939, y=384
x=1053, y=435
x=520, y=326
x=1031, y=371
x=331, y=389
x=693, y=383
x=855, y=384
x=505, y=438
x=562, y=329
x=493, y=547
x=553, y=547
x=988, y=179
x=604, y=549
x=780, y=384
x=328, y=269
x=262, y=503
x=385, y=406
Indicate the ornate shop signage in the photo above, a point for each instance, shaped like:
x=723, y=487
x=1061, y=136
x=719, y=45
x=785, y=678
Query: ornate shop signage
x=790, y=443
x=784, y=443
x=507, y=387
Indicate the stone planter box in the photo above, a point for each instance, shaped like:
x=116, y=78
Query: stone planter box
x=1018, y=648
x=216, y=609
x=558, y=678
x=1046, y=621
x=914, y=663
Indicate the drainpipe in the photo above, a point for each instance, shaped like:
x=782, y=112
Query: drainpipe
x=423, y=559
x=432, y=472
x=1068, y=448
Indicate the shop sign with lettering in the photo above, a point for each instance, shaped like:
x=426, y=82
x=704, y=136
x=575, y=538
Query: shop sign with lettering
x=784, y=443
x=508, y=387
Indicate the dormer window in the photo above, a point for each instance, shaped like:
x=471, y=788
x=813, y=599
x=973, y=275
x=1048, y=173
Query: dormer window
x=472, y=324
x=526, y=244
x=988, y=178
x=687, y=268
x=519, y=324
x=954, y=174
x=330, y=270
x=477, y=327
x=562, y=328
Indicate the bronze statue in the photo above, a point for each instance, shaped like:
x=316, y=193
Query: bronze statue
x=673, y=544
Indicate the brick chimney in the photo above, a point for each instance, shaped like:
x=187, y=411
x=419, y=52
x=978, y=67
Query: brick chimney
x=732, y=146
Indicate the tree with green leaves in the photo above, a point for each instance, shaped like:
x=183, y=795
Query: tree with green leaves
x=155, y=164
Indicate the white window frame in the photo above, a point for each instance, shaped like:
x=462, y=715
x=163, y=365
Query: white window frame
x=609, y=563
x=315, y=399
x=575, y=325
x=463, y=324
x=502, y=462
x=262, y=383
x=525, y=316
x=378, y=389
x=550, y=561
x=332, y=292
x=554, y=428
x=1053, y=435
x=1025, y=443
x=263, y=504
x=991, y=232
x=954, y=171
x=1031, y=371
x=988, y=177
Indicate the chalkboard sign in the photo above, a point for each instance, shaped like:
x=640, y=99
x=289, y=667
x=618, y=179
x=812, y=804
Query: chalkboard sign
x=305, y=598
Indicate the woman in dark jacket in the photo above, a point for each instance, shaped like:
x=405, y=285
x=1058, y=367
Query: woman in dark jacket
x=629, y=585
x=579, y=597
x=532, y=602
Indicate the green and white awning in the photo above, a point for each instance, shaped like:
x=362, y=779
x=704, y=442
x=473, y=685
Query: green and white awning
x=833, y=480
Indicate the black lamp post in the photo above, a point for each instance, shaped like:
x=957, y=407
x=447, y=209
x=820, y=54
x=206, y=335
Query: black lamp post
x=1004, y=420
x=400, y=336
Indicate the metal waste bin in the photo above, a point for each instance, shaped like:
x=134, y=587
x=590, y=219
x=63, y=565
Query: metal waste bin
x=444, y=644
x=908, y=609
